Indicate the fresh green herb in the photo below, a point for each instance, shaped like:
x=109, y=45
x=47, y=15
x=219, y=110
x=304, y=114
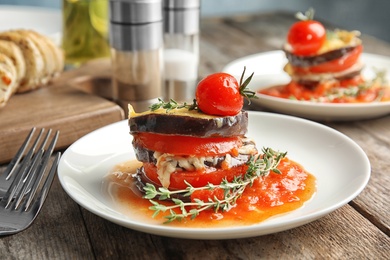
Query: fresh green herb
x=172, y=104
x=308, y=15
x=244, y=91
x=258, y=166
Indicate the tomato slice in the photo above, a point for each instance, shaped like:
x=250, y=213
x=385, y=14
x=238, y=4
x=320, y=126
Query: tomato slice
x=336, y=65
x=198, y=178
x=188, y=145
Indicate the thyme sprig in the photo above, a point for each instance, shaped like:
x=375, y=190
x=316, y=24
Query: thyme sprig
x=172, y=104
x=258, y=166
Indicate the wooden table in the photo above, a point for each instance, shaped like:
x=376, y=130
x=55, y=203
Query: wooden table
x=358, y=230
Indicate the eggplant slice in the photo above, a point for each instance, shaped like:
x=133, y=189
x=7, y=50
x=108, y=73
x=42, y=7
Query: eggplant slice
x=307, y=61
x=188, y=125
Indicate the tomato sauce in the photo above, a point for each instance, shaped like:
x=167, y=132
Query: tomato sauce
x=267, y=197
x=330, y=92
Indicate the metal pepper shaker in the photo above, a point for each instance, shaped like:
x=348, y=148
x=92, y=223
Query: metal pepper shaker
x=136, y=38
x=181, y=48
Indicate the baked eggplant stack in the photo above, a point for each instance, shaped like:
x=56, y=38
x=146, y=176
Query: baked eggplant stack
x=181, y=147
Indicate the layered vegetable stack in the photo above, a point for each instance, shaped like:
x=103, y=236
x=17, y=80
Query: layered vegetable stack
x=195, y=145
x=182, y=147
x=197, y=156
x=335, y=58
x=325, y=66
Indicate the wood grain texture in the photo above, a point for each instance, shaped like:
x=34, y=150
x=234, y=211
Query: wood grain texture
x=60, y=107
x=335, y=236
x=374, y=138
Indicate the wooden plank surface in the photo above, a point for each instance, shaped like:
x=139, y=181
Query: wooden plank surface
x=333, y=237
x=374, y=201
x=58, y=106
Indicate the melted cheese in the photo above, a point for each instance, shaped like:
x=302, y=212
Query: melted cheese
x=177, y=112
x=339, y=39
x=322, y=76
x=169, y=163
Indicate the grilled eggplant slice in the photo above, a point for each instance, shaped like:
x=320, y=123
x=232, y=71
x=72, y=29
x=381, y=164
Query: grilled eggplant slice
x=188, y=123
x=307, y=61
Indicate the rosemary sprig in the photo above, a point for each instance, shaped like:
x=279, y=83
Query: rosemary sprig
x=258, y=166
x=308, y=15
x=172, y=104
x=244, y=91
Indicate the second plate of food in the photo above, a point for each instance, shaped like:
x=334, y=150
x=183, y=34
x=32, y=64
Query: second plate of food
x=268, y=72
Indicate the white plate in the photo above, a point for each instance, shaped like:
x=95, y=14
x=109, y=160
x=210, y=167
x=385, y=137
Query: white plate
x=341, y=167
x=268, y=69
x=46, y=21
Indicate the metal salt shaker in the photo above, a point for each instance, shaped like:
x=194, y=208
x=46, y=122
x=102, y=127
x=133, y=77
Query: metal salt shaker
x=136, y=38
x=181, y=49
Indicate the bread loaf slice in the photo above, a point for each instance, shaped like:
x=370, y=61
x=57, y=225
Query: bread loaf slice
x=56, y=52
x=12, y=51
x=34, y=61
x=8, y=78
x=53, y=56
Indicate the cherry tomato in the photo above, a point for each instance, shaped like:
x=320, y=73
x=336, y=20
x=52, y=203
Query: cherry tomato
x=198, y=178
x=188, y=145
x=306, y=37
x=340, y=64
x=219, y=94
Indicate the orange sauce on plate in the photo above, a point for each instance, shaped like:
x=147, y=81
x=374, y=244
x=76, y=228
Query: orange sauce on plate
x=269, y=196
x=331, y=92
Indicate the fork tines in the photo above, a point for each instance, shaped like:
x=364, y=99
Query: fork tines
x=26, y=172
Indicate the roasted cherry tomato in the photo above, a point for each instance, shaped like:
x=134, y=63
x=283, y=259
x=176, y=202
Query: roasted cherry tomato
x=220, y=94
x=340, y=64
x=306, y=37
x=195, y=178
x=188, y=145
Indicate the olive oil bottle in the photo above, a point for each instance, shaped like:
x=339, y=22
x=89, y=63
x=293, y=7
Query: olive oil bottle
x=85, y=30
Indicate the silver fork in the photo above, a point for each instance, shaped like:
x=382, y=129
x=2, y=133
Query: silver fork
x=24, y=198
x=15, y=166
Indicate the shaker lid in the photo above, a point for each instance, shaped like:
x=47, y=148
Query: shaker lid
x=135, y=11
x=181, y=16
x=181, y=4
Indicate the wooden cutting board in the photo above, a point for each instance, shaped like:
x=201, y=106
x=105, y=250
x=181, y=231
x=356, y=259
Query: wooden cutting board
x=63, y=105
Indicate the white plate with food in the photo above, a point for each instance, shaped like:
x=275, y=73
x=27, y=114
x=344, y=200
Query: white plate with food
x=86, y=163
x=268, y=72
x=47, y=21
